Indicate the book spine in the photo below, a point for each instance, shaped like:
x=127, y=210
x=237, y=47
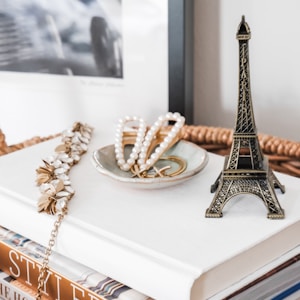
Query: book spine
x=26, y=270
x=22, y=258
x=11, y=289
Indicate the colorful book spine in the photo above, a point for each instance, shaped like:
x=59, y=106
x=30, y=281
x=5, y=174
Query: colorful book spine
x=12, y=289
x=21, y=258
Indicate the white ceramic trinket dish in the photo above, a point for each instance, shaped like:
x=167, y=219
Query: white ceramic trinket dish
x=195, y=157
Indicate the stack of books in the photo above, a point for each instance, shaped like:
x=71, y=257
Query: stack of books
x=277, y=280
x=148, y=242
x=21, y=260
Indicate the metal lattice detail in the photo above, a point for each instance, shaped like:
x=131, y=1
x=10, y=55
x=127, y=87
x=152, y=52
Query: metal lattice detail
x=245, y=120
x=230, y=188
x=246, y=170
x=256, y=153
x=268, y=197
x=234, y=155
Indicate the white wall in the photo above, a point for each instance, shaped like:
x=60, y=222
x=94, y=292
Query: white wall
x=274, y=63
x=274, y=68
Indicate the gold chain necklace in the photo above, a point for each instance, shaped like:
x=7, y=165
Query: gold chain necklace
x=55, y=185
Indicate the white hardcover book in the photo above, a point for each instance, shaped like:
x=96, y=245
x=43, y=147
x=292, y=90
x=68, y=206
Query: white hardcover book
x=276, y=280
x=156, y=241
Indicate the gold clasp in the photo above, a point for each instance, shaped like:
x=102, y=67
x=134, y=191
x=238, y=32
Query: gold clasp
x=156, y=172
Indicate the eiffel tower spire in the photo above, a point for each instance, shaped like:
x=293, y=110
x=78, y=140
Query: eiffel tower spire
x=246, y=150
x=245, y=120
x=246, y=170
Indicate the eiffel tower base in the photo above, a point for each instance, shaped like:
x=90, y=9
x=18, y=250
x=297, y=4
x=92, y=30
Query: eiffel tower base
x=260, y=184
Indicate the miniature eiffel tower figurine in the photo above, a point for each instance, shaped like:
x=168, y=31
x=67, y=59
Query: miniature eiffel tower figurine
x=246, y=170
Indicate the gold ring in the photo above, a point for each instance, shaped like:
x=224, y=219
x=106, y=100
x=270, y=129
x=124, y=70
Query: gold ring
x=178, y=160
x=155, y=172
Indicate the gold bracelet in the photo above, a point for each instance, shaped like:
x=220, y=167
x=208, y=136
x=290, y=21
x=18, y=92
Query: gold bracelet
x=52, y=178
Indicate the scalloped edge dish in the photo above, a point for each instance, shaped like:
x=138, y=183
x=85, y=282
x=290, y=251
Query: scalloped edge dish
x=196, y=158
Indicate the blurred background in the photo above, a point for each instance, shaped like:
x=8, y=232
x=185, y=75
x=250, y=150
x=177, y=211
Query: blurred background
x=274, y=63
x=70, y=44
x=91, y=61
x=71, y=37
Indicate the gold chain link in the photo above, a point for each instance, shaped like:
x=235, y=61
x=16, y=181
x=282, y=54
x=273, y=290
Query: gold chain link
x=48, y=251
x=75, y=143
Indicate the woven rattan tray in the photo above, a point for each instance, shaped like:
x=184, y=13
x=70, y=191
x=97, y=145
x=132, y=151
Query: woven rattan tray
x=283, y=154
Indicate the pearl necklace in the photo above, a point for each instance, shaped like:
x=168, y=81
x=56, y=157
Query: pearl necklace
x=145, y=162
x=119, y=142
x=146, y=142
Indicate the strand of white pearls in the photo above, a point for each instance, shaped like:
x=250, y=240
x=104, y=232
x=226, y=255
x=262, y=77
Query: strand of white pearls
x=145, y=163
x=139, y=153
x=123, y=164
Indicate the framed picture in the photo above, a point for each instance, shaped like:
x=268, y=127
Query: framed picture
x=181, y=44
x=92, y=61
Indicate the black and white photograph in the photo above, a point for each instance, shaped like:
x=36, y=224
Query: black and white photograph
x=76, y=59
x=70, y=37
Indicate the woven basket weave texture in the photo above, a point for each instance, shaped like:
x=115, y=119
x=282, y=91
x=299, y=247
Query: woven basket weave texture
x=283, y=154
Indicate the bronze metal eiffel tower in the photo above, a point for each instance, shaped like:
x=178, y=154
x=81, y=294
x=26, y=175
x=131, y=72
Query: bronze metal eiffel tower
x=245, y=170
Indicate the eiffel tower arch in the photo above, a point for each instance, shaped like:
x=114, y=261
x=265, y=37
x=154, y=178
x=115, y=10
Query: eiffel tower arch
x=245, y=170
